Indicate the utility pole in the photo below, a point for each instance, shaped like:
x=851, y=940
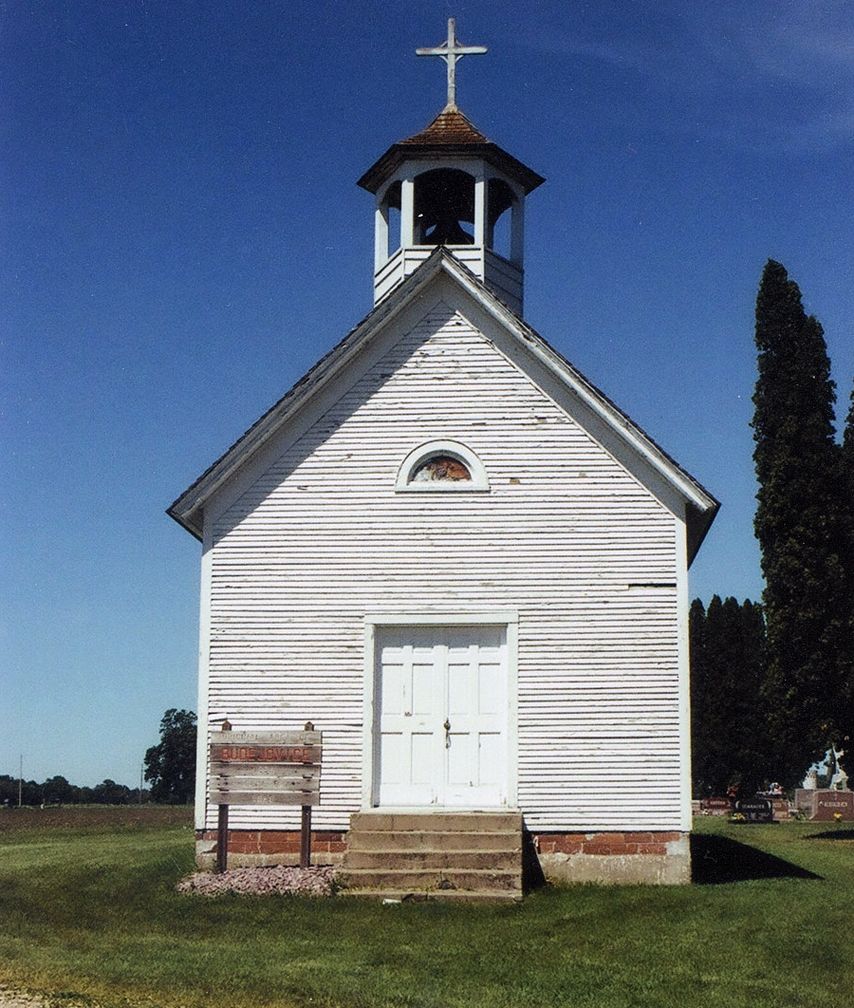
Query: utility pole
x=141, y=768
x=20, y=778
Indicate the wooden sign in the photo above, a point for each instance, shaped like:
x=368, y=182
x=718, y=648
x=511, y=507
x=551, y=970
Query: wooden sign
x=266, y=768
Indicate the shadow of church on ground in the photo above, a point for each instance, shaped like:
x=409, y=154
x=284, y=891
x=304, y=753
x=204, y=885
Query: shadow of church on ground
x=832, y=834
x=716, y=860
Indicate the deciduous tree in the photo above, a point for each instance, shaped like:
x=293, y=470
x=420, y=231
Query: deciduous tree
x=170, y=765
x=110, y=793
x=57, y=790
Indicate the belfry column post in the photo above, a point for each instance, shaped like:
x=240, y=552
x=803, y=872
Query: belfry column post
x=407, y=212
x=380, y=234
x=480, y=190
x=517, y=230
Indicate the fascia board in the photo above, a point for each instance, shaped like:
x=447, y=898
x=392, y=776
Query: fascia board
x=324, y=397
x=185, y=509
x=596, y=401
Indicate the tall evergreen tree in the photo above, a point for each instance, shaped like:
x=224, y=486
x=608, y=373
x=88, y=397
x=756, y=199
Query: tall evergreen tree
x=727, y=711
x=703, y=722
x=846, y=704
x=798, y=524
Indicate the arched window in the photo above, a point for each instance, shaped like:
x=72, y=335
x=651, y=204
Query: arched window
x=442, y=465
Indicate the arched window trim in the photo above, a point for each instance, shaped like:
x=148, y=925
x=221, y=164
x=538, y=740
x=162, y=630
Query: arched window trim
x=423, y=453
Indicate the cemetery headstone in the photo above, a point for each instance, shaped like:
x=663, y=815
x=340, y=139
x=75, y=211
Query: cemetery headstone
x=805, y=801
x=830, y=803
x=779, y=804
x=755, y=810
x=715, y=806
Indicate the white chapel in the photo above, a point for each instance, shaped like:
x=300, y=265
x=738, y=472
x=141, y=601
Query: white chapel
x=462, y=563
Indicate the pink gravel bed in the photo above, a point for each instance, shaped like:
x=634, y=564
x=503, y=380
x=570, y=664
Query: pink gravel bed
x=279, y=880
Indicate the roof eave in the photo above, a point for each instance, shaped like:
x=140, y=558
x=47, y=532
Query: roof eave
x=694, y=493
x=192, y=521
x=701, y=506
x=388, y=163
x=697, y=524
x=186, y=508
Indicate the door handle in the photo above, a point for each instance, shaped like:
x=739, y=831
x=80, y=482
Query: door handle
x=447, y=727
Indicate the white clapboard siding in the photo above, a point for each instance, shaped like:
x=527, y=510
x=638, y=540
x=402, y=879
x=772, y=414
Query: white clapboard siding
x=321, y=539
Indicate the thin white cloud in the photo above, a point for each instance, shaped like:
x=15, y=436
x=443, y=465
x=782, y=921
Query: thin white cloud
x=733, y=59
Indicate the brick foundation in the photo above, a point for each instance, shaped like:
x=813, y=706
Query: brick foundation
x=251, y=848
x=603, y=843
x=277, y=841
x=659, y=858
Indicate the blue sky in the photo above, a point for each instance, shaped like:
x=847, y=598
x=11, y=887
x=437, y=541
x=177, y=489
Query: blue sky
x=182, y=238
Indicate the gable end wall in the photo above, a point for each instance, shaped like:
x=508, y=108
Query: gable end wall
x=565, y=537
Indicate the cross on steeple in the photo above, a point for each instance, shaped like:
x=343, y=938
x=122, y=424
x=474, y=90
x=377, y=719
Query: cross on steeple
x=451, y=51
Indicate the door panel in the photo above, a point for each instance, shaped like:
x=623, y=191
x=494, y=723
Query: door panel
x=429, y=677
x=489, y=758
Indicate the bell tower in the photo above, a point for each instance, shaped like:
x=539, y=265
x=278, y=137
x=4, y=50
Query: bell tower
x=449, y=185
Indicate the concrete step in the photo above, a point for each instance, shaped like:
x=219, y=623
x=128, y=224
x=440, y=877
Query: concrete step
x=443, y=895
x=393, y=859
x=463, y=822
x=440, y=855
x=407, y=840
x=423, y=880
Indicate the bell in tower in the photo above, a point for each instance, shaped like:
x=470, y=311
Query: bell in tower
x=444, y=199
x=450, y=186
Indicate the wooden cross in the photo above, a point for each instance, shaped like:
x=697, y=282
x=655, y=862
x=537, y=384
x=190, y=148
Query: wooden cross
x=451, y=51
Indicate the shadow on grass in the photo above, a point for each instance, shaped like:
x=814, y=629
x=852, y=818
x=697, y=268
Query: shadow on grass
x=832, y=834
x=717, y=859
x=532, y=872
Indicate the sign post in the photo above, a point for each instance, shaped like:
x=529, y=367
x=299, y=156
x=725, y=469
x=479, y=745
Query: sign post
x=305, y=825
x=222, y=825
x=265, y=768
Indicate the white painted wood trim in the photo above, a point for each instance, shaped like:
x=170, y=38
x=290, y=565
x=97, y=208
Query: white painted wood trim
x=473, y=166
x=517, y=231
x=419, y=455
x=508, y=618
x=347, y=373
x=204, y=678
x=380, y=235
x=683, y=661
x=575, y=386
x=407, y=211
x=480, y=209
x=439, y=617
x=512, y=650
x=578, y=399
x=369, y=742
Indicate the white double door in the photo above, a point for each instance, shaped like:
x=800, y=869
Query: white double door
x=441, y=716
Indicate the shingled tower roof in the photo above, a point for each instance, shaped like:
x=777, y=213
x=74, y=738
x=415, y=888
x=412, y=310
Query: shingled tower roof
x=449, y=127
x=449, y=133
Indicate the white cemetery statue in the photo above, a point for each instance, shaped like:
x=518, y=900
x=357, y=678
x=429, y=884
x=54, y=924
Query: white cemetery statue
x=811, y=780
x=839, y=780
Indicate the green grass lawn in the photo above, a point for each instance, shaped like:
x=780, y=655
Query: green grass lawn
x=87, y=907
